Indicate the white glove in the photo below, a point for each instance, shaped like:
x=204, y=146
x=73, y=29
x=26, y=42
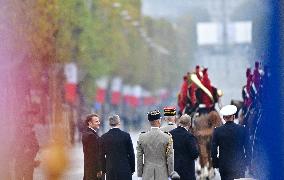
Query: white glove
x=139, y=178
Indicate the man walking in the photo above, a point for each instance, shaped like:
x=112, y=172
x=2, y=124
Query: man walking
x=233, y=143
x=91, y=149
x=185, y=148
x=118, y=159
x=154, y=151
x=170, y=118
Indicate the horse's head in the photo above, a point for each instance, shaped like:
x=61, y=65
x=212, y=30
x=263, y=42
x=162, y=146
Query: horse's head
x=214, y=119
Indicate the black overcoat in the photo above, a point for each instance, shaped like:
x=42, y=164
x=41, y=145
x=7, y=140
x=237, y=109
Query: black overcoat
x=185, y=153
x=234, y=150
x=91, y=149
x=118, y=159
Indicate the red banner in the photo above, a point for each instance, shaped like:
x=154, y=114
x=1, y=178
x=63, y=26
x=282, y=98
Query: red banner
x=70, y=93
x=100, y=95
x=133, y=101
x=115, y=97
x=150, y=100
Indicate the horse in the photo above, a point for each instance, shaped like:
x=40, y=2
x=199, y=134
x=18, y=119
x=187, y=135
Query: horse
x=203, y=126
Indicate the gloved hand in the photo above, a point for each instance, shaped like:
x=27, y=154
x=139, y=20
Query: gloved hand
x=174, y=175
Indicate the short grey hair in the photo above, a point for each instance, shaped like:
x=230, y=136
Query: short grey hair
x=169, y=118
x=114, y=120
x=185, y=120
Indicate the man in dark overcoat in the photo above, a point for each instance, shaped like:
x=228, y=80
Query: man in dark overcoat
x=118, y=159
x=185, y=149
x=233, y=143
x=91, y=149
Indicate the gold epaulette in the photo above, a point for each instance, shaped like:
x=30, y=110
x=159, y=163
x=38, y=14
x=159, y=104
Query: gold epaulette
x=170, y=144
x=168, y=133
x=141, y=133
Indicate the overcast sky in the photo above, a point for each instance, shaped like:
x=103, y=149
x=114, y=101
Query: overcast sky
x=165, y=8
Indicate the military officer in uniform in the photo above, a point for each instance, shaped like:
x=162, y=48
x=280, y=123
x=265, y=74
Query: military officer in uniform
x=233, y=143
x=154, y=151
x=170, y=118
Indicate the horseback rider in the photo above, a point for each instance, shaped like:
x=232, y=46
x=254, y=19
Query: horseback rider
x=183, y=94
x=206, y=103
x=246, y=92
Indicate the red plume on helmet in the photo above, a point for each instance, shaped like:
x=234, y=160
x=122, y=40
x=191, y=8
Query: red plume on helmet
x=205, y=80
x=248, y=72
x=197, y=71
x=249, y=81
x=183, y=93
x=207, y=83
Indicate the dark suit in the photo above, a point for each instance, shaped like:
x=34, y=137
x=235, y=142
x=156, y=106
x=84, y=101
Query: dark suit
x=92, y=165
x=234, y=151
x=185, y=152
x=118, y=159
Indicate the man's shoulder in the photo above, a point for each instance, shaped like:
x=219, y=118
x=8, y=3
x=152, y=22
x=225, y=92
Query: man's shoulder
x=164, y=136
x=178, y=131
x=105, y=135
x=89, y=135
x=186, y=134
x=167, y=134
x=87, y=132
x=168, y=127
x=239, y=127
x=189, y=134
x=142, y=134
x=157, y=134
x=220, y=128
x=234, y=125
x=119, y=132
x=164, y=127
x=174, y=130
x=242, y=128
x=124, y=133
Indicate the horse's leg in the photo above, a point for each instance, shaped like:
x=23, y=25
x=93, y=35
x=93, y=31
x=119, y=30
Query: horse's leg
x=203, y=157
x=202, y=148
x=211, y=171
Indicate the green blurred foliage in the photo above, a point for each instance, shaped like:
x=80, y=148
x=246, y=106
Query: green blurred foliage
x=102, y=42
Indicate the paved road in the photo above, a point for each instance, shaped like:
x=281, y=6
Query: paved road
x=76, y=169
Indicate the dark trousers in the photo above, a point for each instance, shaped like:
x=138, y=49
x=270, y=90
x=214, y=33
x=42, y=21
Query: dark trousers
x=231, y=175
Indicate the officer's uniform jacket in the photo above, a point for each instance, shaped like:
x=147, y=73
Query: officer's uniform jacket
x=157, y=148
x=234, y=150
x=170, y=126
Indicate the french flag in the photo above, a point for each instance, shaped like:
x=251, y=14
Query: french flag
x=101, y=90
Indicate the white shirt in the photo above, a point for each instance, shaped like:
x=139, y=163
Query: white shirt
x=183, y=127
x=92, y=129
